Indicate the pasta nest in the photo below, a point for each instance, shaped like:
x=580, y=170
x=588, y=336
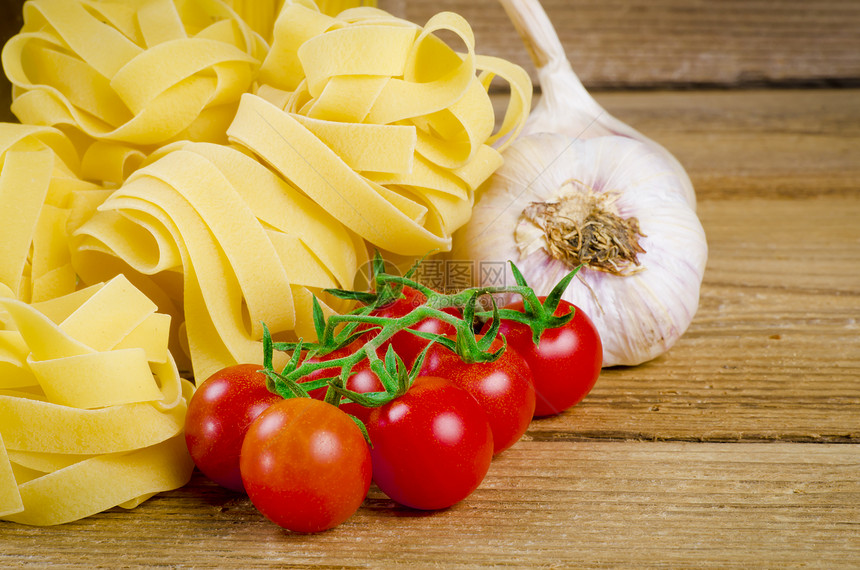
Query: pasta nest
x=237, y=178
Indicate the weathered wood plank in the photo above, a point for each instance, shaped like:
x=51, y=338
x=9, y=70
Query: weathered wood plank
x=647, y=43
x=790, y=143
x=774, y=350
x=585, y=504
x=772, y=356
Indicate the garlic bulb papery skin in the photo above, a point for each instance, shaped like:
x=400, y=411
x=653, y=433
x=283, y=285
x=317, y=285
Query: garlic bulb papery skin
x=565, y=106
x=642, y=308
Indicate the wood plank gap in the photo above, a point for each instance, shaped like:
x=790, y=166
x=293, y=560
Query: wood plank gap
x=633, y=436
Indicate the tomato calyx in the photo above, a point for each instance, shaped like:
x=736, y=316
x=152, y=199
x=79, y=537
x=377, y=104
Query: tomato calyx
x=469, y=347
x=537, y=315
x=396, y=378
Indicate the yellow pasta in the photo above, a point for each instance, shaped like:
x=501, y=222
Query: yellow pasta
x=260, y=14
x=187, y=171
x=10, y=497
x=312, y=166
x=131, y=75
x=295, y=24
x=41, y=197
x=107, y=430
x=98, y=424
x=13, y=359
x=197, y=210
x=378, y=133
x=94, y=485
x=338, y=93
x=335, y=7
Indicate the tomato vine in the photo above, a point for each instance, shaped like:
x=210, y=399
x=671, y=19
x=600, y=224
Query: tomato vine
x=340, y=331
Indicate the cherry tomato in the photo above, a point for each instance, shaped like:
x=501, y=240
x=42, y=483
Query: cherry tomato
x=305, y=465
x=503, y=388
x=218, y=416
x=432, y=446
x=406, y=344
x=565, y=363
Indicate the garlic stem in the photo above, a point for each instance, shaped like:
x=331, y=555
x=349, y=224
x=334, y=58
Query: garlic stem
x=556, y=77
x=565, y=105
x=525, y=16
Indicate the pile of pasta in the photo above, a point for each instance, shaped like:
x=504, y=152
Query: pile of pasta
x=129, y=76
x=210, y=231
x=91, y=405
x=227, y=162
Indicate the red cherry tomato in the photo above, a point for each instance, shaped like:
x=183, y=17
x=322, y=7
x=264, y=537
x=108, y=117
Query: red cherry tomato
x=218, y=416
x=305, y=465
x=566, y=362
x=503, y=388
x=432, y=446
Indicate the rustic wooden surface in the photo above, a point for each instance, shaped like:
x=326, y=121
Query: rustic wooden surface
x=660, y=43
x=740, y=447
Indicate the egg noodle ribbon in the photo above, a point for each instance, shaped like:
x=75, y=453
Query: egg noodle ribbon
x=41, y=198
x=358, y=82
x=195, y=211
x=92, y=419
x=131, y=74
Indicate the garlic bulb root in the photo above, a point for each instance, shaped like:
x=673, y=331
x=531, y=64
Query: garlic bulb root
x=581, y=227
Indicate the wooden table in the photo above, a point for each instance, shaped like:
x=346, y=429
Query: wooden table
x=740, y=447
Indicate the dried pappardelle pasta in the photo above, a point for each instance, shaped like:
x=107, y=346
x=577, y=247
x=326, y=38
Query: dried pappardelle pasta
x=260, y=14
x=192, y=240
x=185, y=221
x=41, y=197
x=130, y=76
x=92, y=406
x=226, y=242
x=384, y=88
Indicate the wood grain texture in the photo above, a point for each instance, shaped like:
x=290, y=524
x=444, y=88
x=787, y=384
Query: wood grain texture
x=543, y=505
x=648, y=43
x=740, y=447
x=774, y=350
x=774, y=143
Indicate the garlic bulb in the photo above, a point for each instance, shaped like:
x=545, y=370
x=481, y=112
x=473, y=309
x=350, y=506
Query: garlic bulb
x=612, y=204
x=565, y=106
